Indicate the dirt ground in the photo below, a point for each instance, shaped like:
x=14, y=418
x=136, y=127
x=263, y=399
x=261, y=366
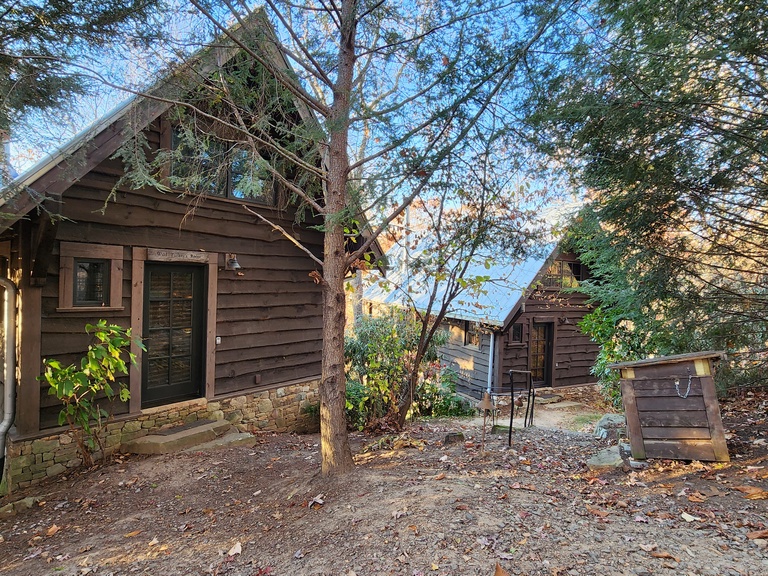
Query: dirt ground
x=414, y=505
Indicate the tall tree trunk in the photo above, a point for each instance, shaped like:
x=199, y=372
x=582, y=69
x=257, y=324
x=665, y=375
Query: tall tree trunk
x=334, y=440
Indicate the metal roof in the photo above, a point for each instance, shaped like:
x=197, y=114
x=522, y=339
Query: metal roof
x=492, y=304
x=500, y=297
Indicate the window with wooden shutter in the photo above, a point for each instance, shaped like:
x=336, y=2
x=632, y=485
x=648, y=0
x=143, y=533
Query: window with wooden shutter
x=90, y=277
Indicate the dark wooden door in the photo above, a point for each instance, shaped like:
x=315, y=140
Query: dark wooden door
x=174, y=333
x=541, y=354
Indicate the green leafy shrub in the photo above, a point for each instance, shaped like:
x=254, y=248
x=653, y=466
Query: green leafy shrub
x=84, y=389
x=436, y=397
x=357, y=416
x=380, y=357
x=619, y=342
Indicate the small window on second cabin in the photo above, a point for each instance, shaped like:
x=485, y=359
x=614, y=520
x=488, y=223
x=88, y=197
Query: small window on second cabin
x=91, y=286
x=471, y=334
x=516, y=334
x=562, y=274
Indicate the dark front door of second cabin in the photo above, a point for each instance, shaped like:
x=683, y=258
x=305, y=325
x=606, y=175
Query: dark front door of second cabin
x=174, y=332
x=542, y=342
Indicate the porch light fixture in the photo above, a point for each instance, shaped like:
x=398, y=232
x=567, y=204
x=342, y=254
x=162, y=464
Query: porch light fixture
x=232, y=263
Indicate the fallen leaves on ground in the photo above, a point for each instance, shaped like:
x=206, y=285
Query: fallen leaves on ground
x=463, y=512
x=752, y=492
x=597, y=511
x=664, y=555
x=316, y=502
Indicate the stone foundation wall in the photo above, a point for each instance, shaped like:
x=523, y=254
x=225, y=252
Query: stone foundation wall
x=278, y=410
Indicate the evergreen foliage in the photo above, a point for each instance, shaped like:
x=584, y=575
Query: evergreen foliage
x=42, y=40
x=665, y=125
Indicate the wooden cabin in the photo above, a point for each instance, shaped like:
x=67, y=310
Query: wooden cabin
x=526, y=319
x=231, y=319
x=541, y=334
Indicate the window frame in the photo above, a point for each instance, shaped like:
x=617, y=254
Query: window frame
x=222, y=165
x=106, y=287
x=472, y=331
x=556, y=280
x=69, y=252
x=516, y=334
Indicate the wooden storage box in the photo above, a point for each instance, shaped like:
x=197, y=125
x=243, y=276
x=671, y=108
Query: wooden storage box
x=671, y=407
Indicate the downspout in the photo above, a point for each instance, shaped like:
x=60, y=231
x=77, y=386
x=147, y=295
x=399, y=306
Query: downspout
x=491, y=356
x=9, y=373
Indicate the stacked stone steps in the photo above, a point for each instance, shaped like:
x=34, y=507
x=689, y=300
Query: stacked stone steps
x=200, y=435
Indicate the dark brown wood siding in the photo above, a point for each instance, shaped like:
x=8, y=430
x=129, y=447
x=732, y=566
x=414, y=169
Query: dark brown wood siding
x=269, y=313
x=574, y=352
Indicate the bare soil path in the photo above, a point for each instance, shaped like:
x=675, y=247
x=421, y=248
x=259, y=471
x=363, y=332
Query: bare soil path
x=414, y=506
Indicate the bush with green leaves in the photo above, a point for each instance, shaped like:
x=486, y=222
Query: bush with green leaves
x=436, y=397
x=357, y=415
x=86, y=388
x=380, y=356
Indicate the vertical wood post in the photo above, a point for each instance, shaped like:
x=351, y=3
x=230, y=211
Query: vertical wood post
x=633, y=419
x=210, y=338
x=714, y=421
x=29, y=341
x=138, y=257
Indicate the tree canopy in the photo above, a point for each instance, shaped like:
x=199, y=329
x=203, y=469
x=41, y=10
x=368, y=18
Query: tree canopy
x=665, y=126
x=386, y=102
x=41, y=40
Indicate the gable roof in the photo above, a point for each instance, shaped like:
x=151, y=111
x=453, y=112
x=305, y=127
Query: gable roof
x=501, y=298
x=57, y=171
x=494, y=305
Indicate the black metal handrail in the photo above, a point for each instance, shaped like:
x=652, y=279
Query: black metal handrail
x=530, y=392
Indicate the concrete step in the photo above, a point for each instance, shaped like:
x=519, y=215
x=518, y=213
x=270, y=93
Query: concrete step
x=564, y=405
x=548, y=398
x=228, y=439
x=179, y=438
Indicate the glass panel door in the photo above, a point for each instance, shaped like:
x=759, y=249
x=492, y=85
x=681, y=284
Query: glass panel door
x=173, y=333
x=541, y=354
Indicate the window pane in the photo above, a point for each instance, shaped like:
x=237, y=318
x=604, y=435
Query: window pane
x=471, y=334
x=197, y=165
x=182, y=285
x=91, y=282
x=160, y=285
x=554, y=275
x=182, y=342
x=250, y=180
x=563, y=275
x=182, y=313
x=181, y=370
x=158, y=372
x=159, y=314
x=158, y=344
